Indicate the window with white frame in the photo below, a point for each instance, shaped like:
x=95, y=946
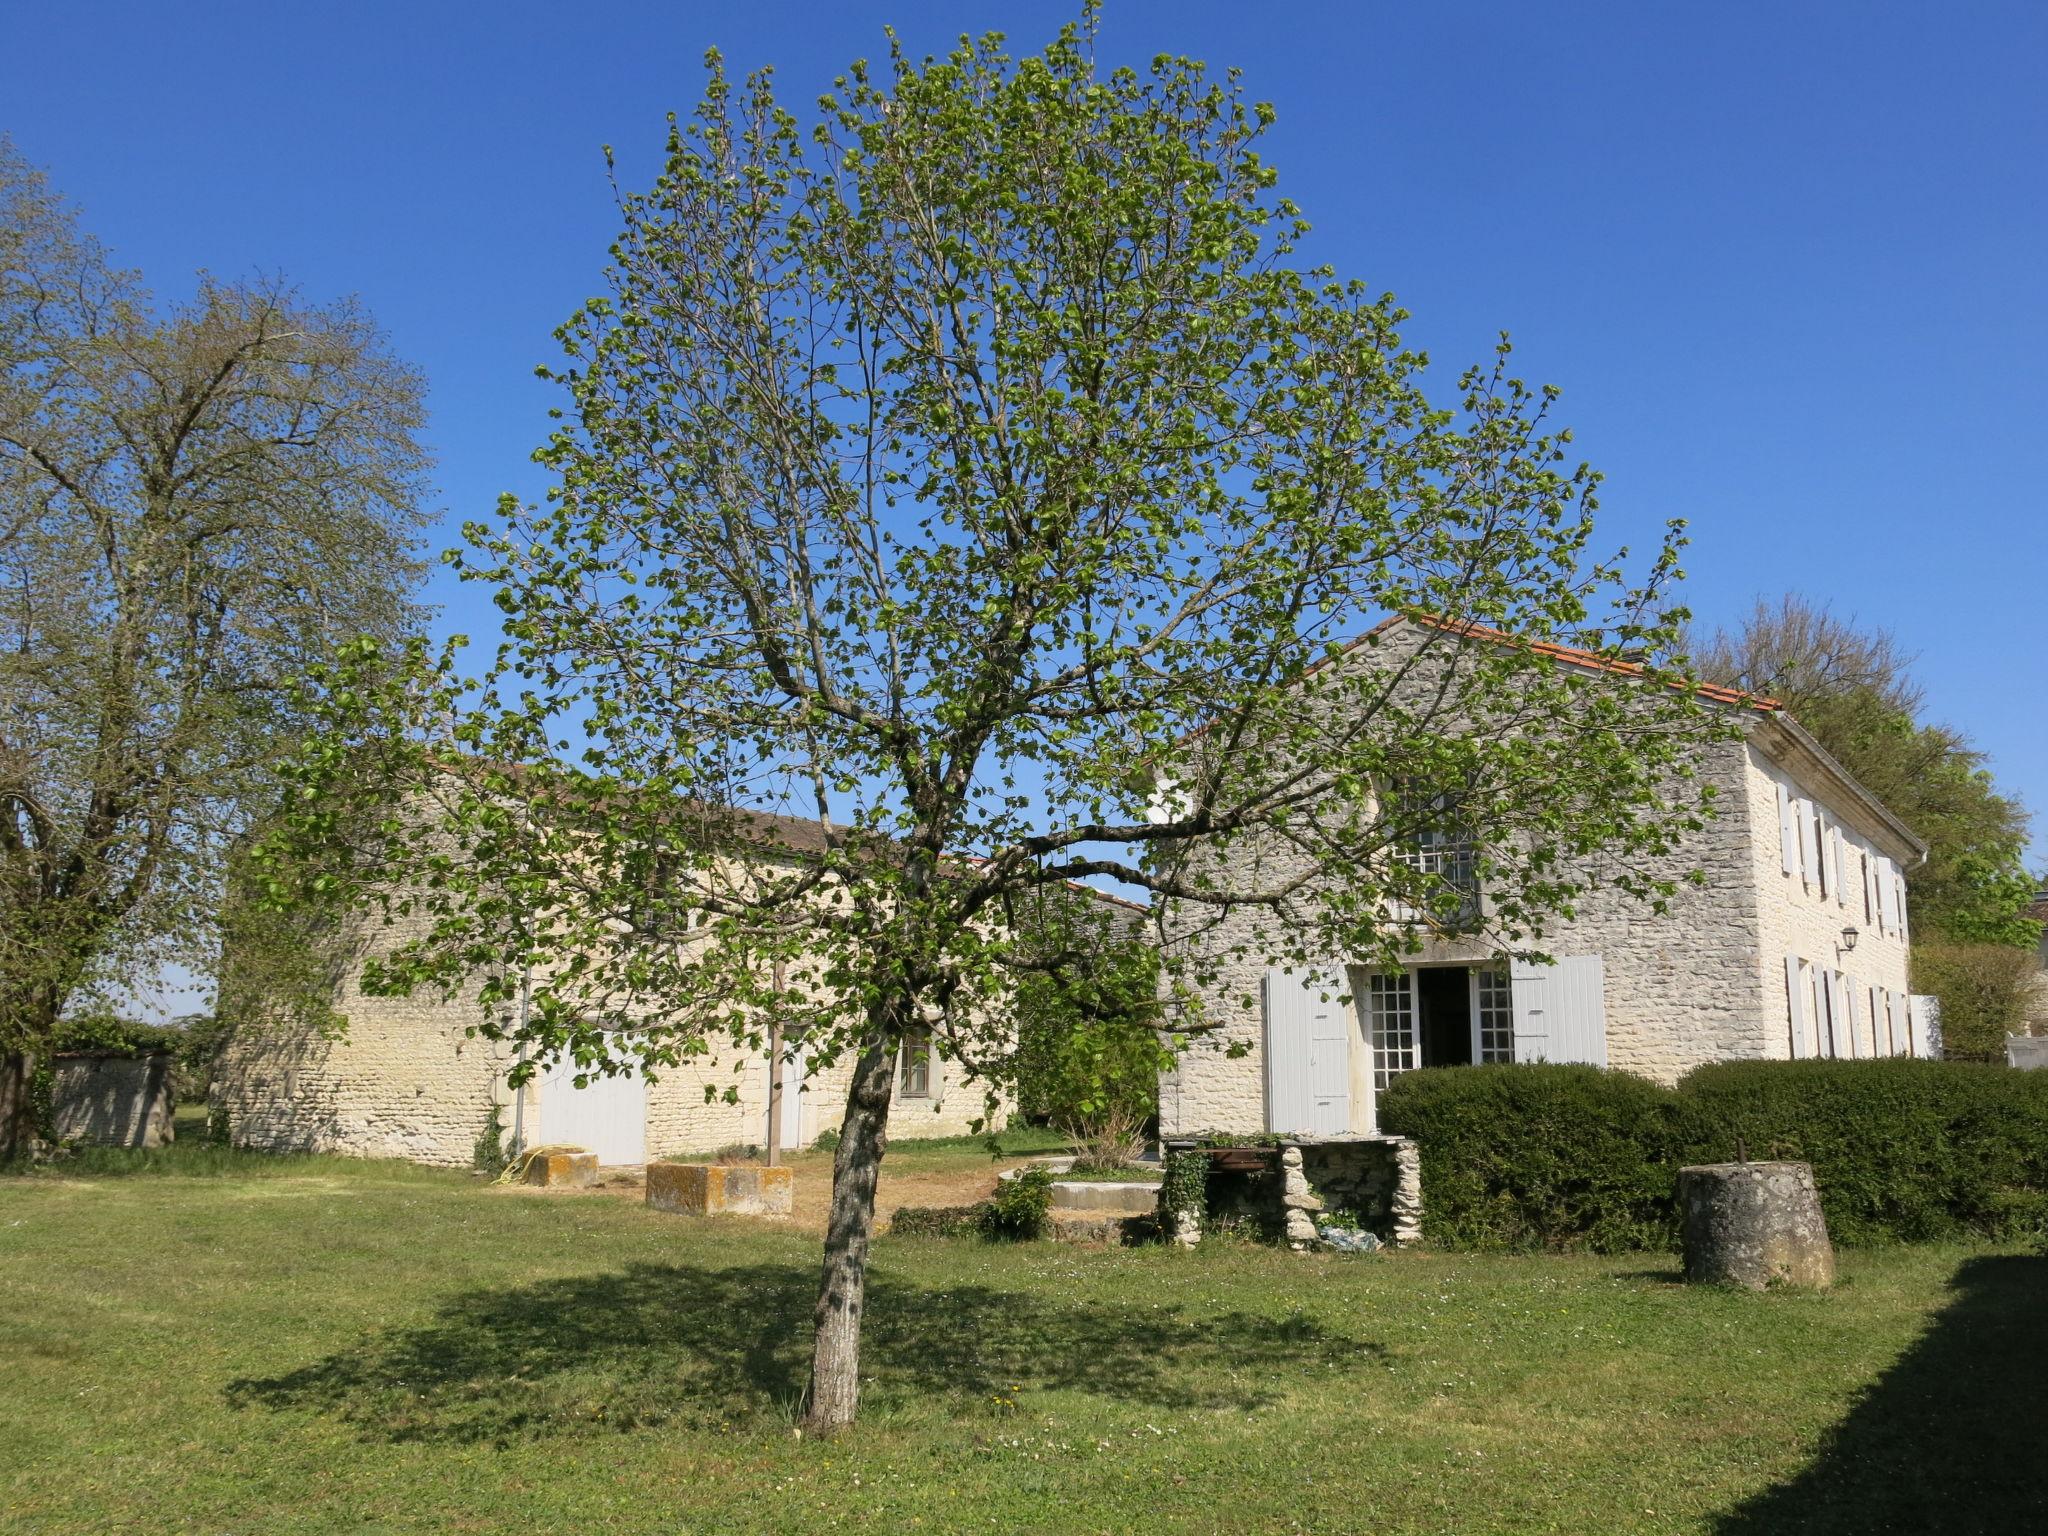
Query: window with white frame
x=1432, y=838
x=1493, y=1006
x=1390, y=1012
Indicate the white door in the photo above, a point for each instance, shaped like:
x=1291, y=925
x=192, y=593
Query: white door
x=1308, y=1053
x=607, y=1116
x=1561, y=1010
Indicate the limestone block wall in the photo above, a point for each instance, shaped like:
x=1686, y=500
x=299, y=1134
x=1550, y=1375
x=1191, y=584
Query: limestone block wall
x=405, y=1080
x=402, y=1079
x=1799, y=918
x=1680, y=989
x=112, y=1101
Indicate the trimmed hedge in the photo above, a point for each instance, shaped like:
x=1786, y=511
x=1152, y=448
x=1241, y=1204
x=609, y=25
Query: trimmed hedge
x=1543, y=1156
x=1903, y=1150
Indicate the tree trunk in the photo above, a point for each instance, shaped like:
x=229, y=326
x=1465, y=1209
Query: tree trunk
x=863, y=1134
x=17, y=1115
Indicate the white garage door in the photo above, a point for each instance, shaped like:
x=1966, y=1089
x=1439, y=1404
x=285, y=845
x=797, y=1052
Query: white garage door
x=607, y=1116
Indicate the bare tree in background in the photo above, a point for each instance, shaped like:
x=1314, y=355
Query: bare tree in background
x=197, y=503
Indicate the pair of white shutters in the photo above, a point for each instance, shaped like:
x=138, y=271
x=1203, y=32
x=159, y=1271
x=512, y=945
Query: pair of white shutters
x=1560, y=1013
x=1815, y=848
x=1832, y=1015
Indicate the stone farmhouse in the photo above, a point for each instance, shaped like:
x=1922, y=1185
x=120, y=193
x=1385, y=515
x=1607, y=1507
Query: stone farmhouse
x=1794, y=946
x=406, y=1080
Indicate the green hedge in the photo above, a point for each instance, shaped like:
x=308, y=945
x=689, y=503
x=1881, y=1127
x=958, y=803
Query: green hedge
x=1568, y=1157
x=1539, y=1156
x=1903, y=1150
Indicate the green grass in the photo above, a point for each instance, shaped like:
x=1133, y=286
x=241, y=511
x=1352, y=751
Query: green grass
x=279, y=1345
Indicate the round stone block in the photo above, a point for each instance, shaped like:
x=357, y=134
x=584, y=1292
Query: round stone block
x=1754, y=1224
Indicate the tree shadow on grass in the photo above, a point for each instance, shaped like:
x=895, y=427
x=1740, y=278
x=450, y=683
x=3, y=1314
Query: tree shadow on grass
x=1949, y=1439
x=675, y=1344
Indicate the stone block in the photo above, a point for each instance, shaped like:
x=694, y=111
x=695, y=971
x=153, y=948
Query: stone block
x=714, y=1189
x=1119, y=1196
x=1754, y=1224
x=561, y=1170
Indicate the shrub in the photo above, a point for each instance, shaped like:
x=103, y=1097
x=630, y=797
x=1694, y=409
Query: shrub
x=1541, y=1156
x=1984, y=990
x=940, y=1220
x=1559, y=1157
x=1021, y=1206
x=488, y=1155
x=1903, y=1150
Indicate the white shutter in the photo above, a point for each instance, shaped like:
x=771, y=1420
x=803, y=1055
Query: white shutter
x=1869, y=883
x=1887, y=912
x=1809, y=845
x=1831, y=851
x=1788, y=832
x=1899, y=903
x=1795, y=1003
x=1923, y=1014
x=1841, y=1018
x=1308, y=1061
x=1561, y=1010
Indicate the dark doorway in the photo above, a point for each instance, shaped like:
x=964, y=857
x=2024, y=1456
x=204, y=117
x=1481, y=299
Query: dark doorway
x=1443, y=1003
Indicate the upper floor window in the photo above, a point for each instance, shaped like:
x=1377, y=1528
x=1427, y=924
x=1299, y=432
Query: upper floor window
x=1432, y=836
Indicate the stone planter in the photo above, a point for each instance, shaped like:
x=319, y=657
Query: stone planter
x=714, y=1189
x=1754, y=1224
x=561, y=1170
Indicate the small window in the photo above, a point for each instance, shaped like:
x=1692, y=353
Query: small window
x=914, y=1078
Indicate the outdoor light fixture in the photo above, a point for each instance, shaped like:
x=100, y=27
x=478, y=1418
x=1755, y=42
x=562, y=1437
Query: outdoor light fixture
x=1848, y=939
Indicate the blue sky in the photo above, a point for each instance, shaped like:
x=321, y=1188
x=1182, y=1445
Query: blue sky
x=1785, y=261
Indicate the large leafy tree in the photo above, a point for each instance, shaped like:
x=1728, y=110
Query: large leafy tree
x=928, y=472
x=1851, y=686
x=196, y=504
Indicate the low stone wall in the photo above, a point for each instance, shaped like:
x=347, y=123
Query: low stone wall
x=112, y=1101
x=712, y=1189
x=1281, y=1190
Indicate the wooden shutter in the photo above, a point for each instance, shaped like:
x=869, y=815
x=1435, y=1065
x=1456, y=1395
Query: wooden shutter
x=1833, y=838
x=1308, y=1058
x=1887, y=909
x=1561, y=1010
x=1788, y=832
x=1923, y=1015
x=1899, y=903
x=1809, y=845
x=1795, y=1003
x=1841, y=1018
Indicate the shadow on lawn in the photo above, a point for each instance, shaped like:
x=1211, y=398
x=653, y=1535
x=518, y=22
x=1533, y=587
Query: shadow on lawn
x=1949, y=1439
x=660, y=1343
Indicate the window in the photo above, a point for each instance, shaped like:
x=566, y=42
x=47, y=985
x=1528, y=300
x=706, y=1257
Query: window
x=1390, y=1012
x=914, y=1075
x=1431, y=837
x=1493, y=996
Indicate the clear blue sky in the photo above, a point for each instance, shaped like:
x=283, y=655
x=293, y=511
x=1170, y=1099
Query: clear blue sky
x=1786, y=261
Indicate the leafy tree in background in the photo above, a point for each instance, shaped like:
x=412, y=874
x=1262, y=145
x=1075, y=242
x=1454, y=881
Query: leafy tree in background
x=1851, y=688
x=196, y=504
x=1091, y=1040
x=926, y=472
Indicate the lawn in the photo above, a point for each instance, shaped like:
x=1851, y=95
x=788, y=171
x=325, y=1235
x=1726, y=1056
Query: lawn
x=242, y=1344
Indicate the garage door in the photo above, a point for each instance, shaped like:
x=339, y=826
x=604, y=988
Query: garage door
x=607, y=1116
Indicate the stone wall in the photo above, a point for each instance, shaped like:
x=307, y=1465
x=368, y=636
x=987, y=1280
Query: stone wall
x=112, y=1101
x=404, y=1079
x=1703, y=982
x=1280, y=1192
x=1797, y=917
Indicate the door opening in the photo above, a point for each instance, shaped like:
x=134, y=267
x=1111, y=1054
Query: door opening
x=1443, y=997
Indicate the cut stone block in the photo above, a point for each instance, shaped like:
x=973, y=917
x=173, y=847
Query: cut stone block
x=1754, y=1224
x=561, y=1170
x=1124, y=1197
x=715, y=1189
